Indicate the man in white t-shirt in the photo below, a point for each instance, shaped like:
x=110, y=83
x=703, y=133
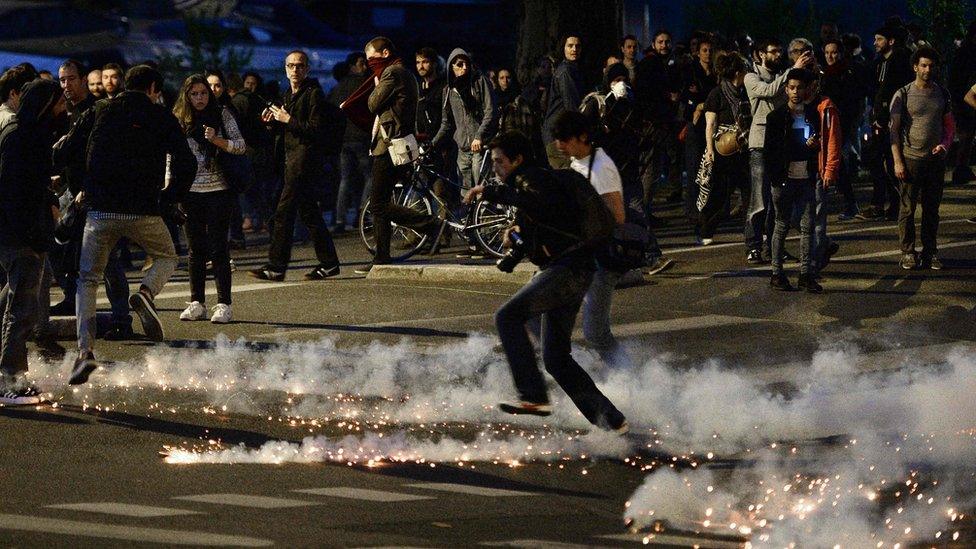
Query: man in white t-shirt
x=572, y=138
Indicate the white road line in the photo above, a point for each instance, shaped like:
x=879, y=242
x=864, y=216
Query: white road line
x=239, y=288
x=538, y=544
x=124, y=509
x=128, y=533
x=362, y=494
x=469, y=489
x=687, y=541
x=739, y=242
x=244, y=500
x=681, y=323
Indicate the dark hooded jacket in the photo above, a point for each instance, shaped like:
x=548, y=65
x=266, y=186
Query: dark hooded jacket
x=26, y=218
x=565, y=94
x=430, y=104
x=469, y=108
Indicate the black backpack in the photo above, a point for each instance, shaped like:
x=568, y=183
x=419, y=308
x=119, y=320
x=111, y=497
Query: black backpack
x=121, y=137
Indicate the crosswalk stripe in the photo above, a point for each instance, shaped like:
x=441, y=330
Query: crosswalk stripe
x=469, y=489
x=124, y=509
x=683, y=541
x=244, y=500
x=128, y=533
x=363, y=494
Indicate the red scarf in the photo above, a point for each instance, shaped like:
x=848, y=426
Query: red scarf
x=356, y=106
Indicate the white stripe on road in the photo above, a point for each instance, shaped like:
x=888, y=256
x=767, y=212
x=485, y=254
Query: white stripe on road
x=362, y=494
x=124, y=509
x=244, y=500
x=128, y=533
x=677, y=324
x=538, y=544
x=239, y=288
x=469, y=489
x=685, y=541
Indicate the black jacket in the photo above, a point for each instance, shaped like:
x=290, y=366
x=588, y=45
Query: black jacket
x=130, y=138
x=313, y=133
x=429, y=108
x=653, y=85
x=249, y=107
x=543, y=203
x=26, y=218
x=892, y=73
x=565, y=94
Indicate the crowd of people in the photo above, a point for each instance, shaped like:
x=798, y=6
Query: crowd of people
x=736, y=132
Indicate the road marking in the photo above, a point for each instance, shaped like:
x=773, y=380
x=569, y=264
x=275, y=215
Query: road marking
x=244, y=500
x=470, y=489
x=678, y=324
x=538, y=544
x=739, y=242
x=239, y=288
x=124, y=509
x=363, y=494
x=128, y=533
x=681, y=541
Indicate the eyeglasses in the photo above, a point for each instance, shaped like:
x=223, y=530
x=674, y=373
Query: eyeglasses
x=295, y=66
x=460, y=63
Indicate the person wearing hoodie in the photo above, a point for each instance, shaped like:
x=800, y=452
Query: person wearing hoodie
x=304, y=125
x=565, y=94
x=469, y=111
x=27, y=214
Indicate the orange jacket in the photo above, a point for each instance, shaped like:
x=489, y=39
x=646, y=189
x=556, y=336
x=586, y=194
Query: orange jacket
x=831, y=140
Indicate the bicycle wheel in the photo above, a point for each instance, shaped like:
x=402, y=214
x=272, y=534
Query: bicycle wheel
x=404, y=241
x=490, y=221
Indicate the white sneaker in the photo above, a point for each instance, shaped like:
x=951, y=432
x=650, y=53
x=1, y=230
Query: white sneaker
x=221, y=314
x=194, y=311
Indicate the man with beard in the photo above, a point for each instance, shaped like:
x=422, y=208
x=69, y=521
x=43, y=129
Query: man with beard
x=430, y=101
x=892, y=70
x=766, y=90
x=113, y=80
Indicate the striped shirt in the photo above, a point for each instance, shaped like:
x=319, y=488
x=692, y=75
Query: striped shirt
x=209, y=179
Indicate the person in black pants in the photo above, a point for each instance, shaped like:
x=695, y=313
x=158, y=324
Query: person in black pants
x=307, y=126
x=210, y=129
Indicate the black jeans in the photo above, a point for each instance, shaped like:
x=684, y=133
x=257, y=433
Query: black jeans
x=208, y=217
x=923, y=185
x=298, y=198
x=728, y=173
x=556, y=294
x=885, y=190
x=385, y=177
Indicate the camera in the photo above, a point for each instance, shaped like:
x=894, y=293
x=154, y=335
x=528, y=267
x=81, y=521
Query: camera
x=514, y=255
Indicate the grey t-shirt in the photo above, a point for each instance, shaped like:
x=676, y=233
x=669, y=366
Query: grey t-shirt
x=916, y=119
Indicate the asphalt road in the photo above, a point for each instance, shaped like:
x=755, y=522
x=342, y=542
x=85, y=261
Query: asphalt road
x=113, y=462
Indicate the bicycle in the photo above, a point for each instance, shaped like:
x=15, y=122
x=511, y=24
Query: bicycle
x=483, y=221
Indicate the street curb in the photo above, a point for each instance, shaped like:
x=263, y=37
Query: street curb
x=431, y=272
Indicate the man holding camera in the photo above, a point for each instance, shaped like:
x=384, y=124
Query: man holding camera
x=549, y=231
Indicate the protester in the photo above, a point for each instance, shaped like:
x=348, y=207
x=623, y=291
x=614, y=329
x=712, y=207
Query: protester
x=302, y=125
x=127, y=158
x=699, y=81
x=113, y=79
x=565, y=93
x=210, y=130
x=255, y=201
x=27, y=213
x=95, y=86
x=843, y=86
x=922, y=129
x=629, y=46
x=354, y=160
x=548, y=213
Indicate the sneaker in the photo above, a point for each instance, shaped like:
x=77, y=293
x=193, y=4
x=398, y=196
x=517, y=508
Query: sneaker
x=779, y=282
x=659, y=264
x=848, y=215
x=908, y=262
x=85, y=364
x=706, y=241
x=931, y=262
x=147, y=264
x=267, y=274
x=971, y=220
x=526, y=408
x=471, y=253
x=65, y=308
x=24, y=396
x=364, y=270
x=322, y=272
x=623, y=429
x=194, y=311
x=120, y=332
x=221, y=314
x=869, y=214
x=755, y=257
x=808, y=283
x=832, y=250
x=143, y=306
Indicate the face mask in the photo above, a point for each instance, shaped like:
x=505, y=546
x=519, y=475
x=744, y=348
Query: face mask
x=619, y=89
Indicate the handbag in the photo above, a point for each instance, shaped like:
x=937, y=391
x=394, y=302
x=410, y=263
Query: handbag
x=237, y=169
x=403, y=150
x=728, y=140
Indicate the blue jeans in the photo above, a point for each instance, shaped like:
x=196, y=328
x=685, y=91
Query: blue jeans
x=596, y=317
x=820, y=239
x=760, y=218
x=19, y=307
x=356, y=166
x=798, y=194
x=556, y=294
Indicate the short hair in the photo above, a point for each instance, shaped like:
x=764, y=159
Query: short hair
x=428, y=53
x=851, y=41
x=512, y=144
x=765, y=43
x=803, y=75
x=926, y=52
x=381, y=43
x=659, y=32
x=234, y=82
x=254, y=75
x=13, y=78
x=629, y=37
x=729, y=64
x=797, y=42
x=570, y=124
x=837, y=42
x=299, y=52
x=30, y=68
x=43, y=72
x=114, y=67
x=75, y=64
x=142, y=77
x=354, y=56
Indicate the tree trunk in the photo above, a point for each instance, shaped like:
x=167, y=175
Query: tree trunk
x=543, y=22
